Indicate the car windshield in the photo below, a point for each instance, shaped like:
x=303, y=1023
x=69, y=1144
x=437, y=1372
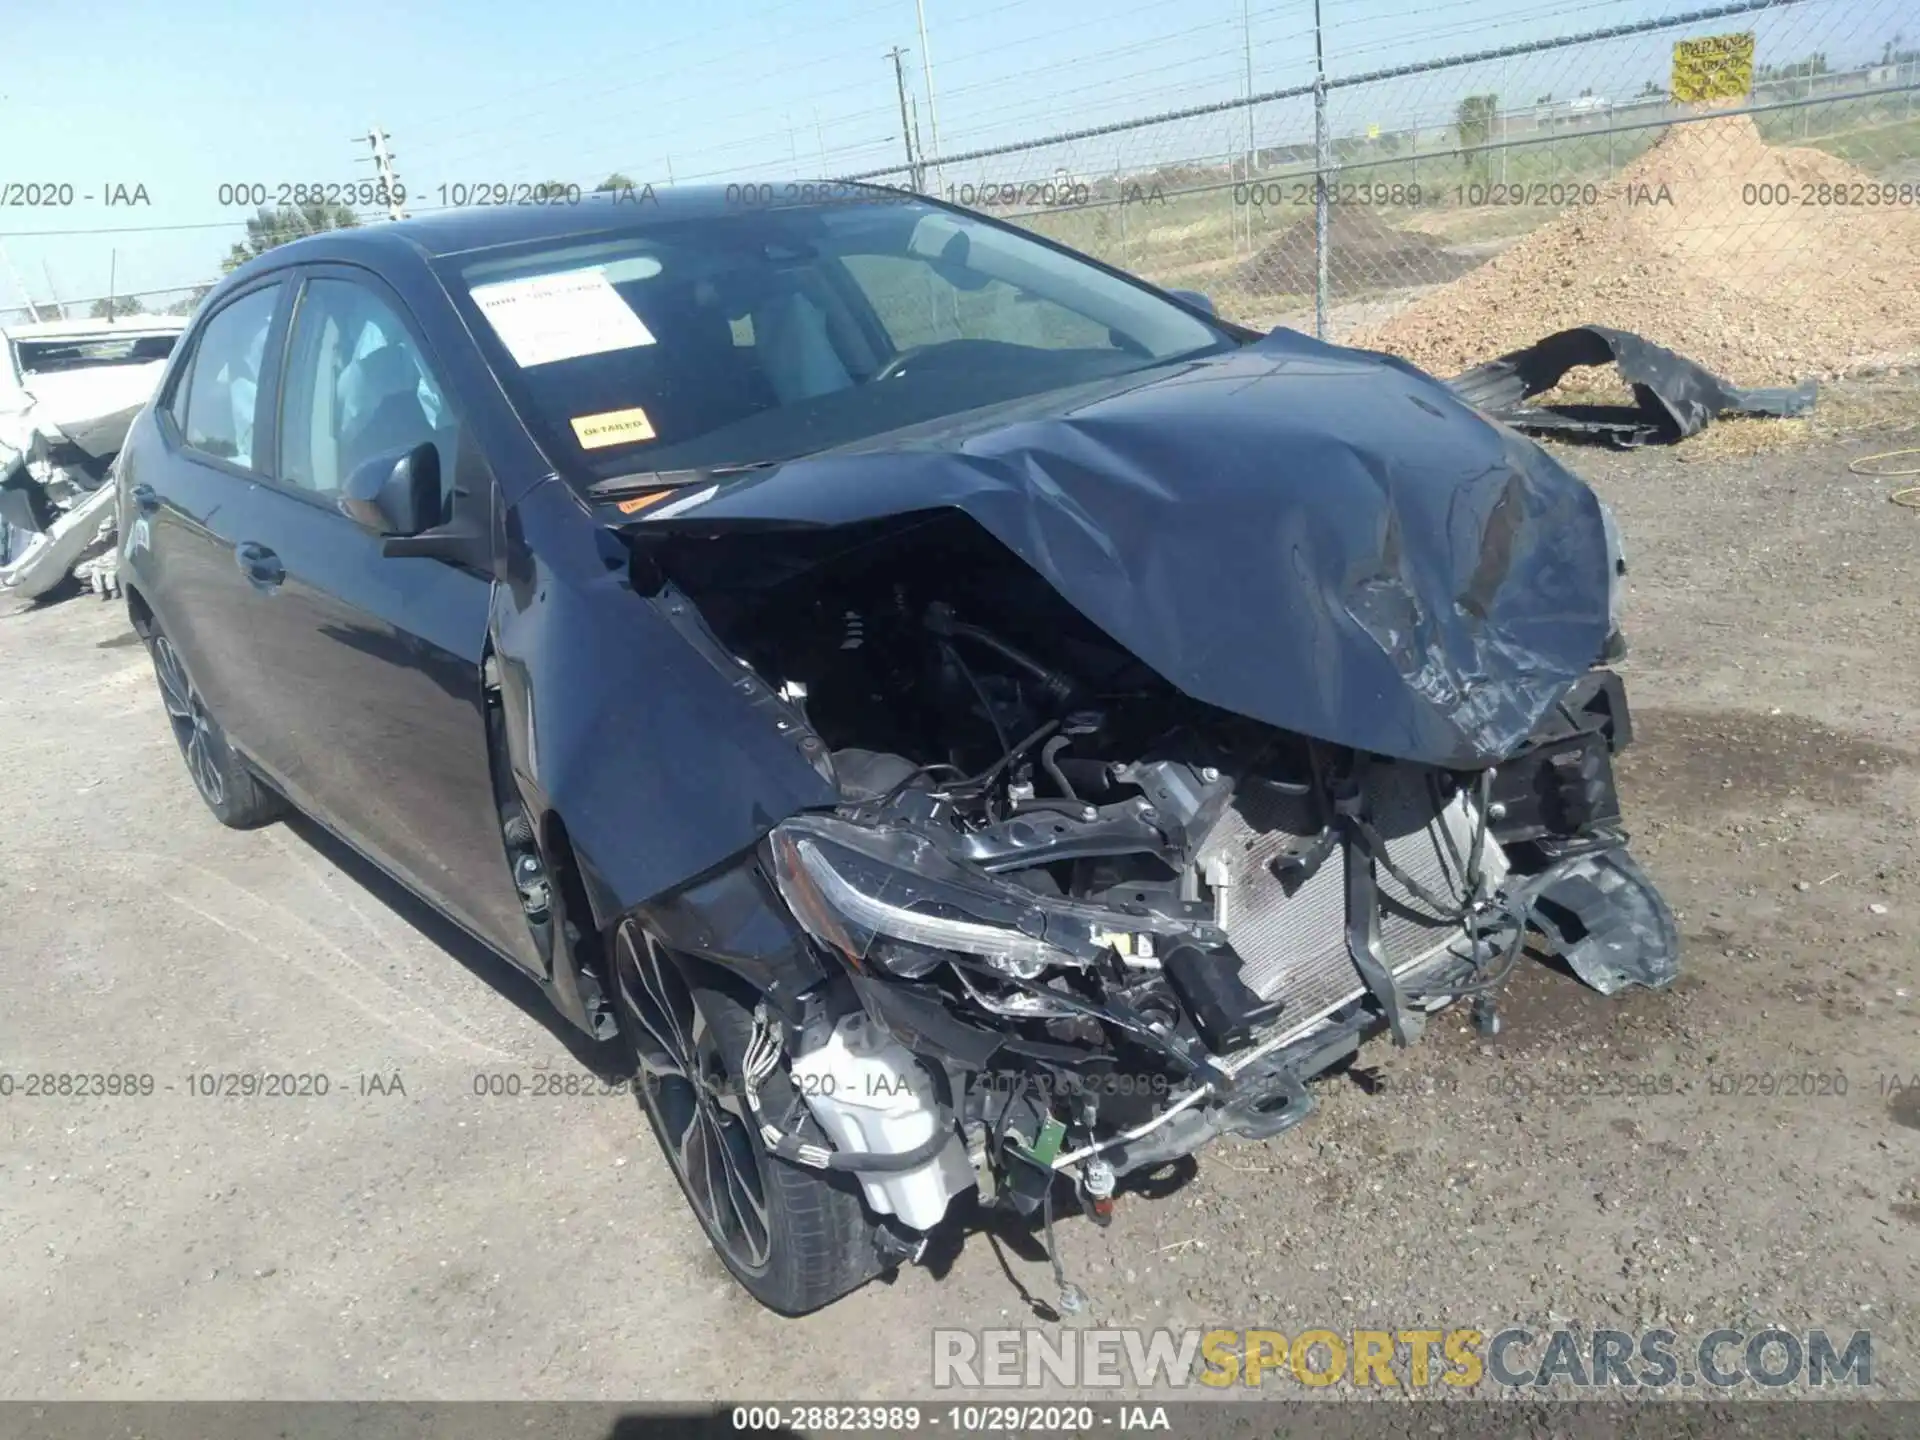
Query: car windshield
x=763, y=334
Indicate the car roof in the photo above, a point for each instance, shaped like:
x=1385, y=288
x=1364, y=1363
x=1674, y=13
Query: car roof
x=480, y=227
x=464, y=229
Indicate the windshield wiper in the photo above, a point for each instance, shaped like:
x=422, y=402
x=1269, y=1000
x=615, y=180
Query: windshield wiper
x=675, y=479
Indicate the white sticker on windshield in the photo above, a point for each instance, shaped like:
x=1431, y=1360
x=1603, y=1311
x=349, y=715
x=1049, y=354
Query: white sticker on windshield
x=545, y=318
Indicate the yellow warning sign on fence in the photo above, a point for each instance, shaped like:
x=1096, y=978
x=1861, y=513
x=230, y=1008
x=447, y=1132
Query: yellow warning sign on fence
x=1714, y=67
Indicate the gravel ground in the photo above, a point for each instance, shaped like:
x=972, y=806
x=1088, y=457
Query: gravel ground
x=1602, y=1162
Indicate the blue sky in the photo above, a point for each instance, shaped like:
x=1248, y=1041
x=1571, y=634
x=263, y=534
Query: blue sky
x=182, y=97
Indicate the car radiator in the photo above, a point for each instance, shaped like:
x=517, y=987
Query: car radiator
x=1292, y=936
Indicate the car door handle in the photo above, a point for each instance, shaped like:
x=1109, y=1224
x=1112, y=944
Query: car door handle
x=145, y=498
x=259, y=564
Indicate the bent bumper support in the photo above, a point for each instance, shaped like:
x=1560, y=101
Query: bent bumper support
x=1363, y=919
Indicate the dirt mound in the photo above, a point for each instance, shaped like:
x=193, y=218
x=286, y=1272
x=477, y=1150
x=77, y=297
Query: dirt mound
x=1764, y=263
x=1364, y=253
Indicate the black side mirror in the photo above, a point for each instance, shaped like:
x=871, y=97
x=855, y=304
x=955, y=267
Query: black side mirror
x=396, y=493
x=1198, y=299
x=462, y=536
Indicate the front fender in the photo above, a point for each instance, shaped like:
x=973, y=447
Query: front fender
x=663, y=757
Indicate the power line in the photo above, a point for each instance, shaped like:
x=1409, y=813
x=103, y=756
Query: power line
x=1148, y=43
x=1052, y=99
x=849, y=61
x=651, y=55
x=836, y=60
x=120, y=229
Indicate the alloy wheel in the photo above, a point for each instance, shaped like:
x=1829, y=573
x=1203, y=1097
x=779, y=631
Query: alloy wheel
x=693, y=1093
x=192, y=726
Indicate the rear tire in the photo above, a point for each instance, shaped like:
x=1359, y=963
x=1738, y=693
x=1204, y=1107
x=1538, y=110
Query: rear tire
x=235, y=795
x=794, y=1237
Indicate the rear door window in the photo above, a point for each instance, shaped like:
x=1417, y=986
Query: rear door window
x=223, y=390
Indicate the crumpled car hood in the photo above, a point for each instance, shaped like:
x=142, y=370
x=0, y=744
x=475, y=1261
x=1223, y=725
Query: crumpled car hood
x=69, y=399
x=1323, y=539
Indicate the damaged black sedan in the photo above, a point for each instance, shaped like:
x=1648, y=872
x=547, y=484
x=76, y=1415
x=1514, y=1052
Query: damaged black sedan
x=961, y=717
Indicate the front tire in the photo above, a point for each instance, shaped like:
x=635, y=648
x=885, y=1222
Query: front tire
x=230, y=789
x=796, y=1238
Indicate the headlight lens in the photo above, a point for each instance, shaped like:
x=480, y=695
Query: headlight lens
x=852, y=888
x=1019, y=953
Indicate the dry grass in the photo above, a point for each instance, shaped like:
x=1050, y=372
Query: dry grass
x=1881, y=407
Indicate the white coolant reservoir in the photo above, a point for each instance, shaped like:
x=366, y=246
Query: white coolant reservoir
x=873, y=1098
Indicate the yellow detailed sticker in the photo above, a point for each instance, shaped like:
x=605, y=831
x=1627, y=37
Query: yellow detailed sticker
x=1713, y=67
x=640, y=502
x=612, y=427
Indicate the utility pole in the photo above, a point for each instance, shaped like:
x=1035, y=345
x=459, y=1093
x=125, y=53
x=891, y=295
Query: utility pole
x=113, y=280
x=1500, y=105
x=1246, y=38
x=1322, y=163
x=376, y=139
x=926, y=74
x=913, y=104
x=914, y=178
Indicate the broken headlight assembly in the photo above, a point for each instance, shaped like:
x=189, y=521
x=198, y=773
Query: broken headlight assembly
x=891, y=898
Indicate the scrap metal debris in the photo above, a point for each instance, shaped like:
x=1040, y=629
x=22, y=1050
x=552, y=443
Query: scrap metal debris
x=1674, y=397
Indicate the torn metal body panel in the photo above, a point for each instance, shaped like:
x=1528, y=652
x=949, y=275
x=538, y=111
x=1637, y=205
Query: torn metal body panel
x=48, y=557
x=1674, y=396
x=1609, y=924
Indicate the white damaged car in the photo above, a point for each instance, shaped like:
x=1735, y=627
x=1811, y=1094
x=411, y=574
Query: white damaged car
x=69, y=389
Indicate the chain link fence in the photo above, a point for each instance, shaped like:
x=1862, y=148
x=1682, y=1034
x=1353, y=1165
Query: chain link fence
x=1459, y=207
x=176, y=300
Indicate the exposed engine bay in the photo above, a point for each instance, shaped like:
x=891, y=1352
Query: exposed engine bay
x=1098, y=922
